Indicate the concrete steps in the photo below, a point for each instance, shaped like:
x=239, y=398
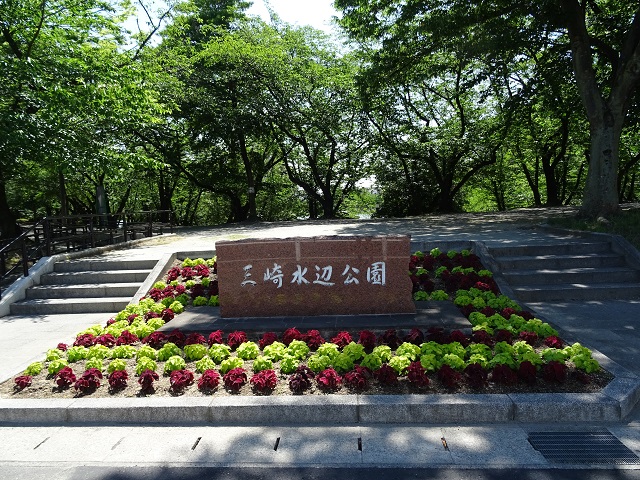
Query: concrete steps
x=587, y=270
x=85, y=286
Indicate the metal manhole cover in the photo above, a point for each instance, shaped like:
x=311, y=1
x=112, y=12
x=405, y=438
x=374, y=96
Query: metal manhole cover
x=597, y=447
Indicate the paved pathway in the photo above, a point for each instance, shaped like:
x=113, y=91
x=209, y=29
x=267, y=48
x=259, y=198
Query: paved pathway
x=611, y=327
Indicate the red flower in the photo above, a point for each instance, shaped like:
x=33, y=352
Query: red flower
x=194, y=338
x=85, y=340
x=417, y=375
x=301, y=379
x=156, y=340
x=415, y=336
x=118, y=379
x=291, y=334
x=527, y=372
x=235, y=379
x=530, y=337
x=503, y=336
x=267, y=339
x=89, y=381
x=127, y=338
x=553, y=342
x=177, y=337
x=390, y=338
x=367, y=339
x=448, y=376
x=236, y=338
x=313, y=339
x=460, y=337
x=107, y=340
x=554, y=372
x=386, y=375
x=475, y=375
x=342, y=339
x=146, y=380
x=504, y=374
x=180, y=379
x=209, y=380
x=357, y=379
x=264, y=381
x=65, y=377
x=215, y=337
x=328, y=380
x=167, y=315
x=188, y=273
x=22, y=382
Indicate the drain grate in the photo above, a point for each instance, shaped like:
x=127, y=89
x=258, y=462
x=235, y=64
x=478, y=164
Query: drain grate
x=597, y=447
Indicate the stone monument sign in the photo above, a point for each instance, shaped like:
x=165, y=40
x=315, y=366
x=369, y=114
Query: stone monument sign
x=314, y=276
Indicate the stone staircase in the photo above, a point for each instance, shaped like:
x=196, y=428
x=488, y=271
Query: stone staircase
x=85, y=286
x=580, y=270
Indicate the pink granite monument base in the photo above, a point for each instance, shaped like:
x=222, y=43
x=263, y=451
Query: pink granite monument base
x=314, y=276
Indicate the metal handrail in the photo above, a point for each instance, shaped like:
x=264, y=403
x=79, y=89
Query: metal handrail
x=52, y=235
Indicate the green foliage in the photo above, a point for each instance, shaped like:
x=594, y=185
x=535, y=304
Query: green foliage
x=56, y=365
x=194, y=352
x=53, y=354
x=123, y=351
x=205, y=363
x=372, y=361
x=354, y=350
x=94, y=362
x=300, y=350
x=173, y=363
x=231, y=363
x=553, y=354
x=145, y=363
x=75, y=354
x=34, y=369
x=117, y=364
x=439, y=295
x=262, y=363
x=219, y=352
x=248, y=350
x=343, y=363
x=169, y=349
x=147, y=351
x=329, y=350
x=276, y=351
x=383, y=352
x=98, y=351
x=318, y=362
x=454, y=361
x=408, y=350
x=399, y=364
x=289, y=364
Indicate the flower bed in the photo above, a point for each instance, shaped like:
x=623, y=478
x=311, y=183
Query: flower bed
x=508, y=350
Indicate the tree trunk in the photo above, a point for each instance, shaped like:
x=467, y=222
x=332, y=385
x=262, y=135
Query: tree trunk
x=601, y=190
x=8, y=226
x=64, y=203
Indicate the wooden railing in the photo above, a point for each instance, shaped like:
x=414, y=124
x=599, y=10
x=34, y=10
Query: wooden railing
x=53, y=235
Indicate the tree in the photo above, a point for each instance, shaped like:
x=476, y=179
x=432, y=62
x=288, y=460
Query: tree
x=440, y=125
x=605, y=48
x=67, y=90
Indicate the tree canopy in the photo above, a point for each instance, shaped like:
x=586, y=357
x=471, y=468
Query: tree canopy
x=431, y=106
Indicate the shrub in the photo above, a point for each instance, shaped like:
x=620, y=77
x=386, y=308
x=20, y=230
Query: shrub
x=264, y=381
x=234, y=379
x=209, y=380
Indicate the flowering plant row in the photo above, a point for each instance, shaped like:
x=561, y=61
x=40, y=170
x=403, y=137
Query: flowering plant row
x=303, y=360
x=507, y=346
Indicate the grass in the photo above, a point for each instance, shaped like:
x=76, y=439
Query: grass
x=626, y=223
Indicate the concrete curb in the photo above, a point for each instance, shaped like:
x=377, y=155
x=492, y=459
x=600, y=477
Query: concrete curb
x=612, y=404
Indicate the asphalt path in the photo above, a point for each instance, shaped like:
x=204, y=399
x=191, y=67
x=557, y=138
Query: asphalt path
x=319, y=473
